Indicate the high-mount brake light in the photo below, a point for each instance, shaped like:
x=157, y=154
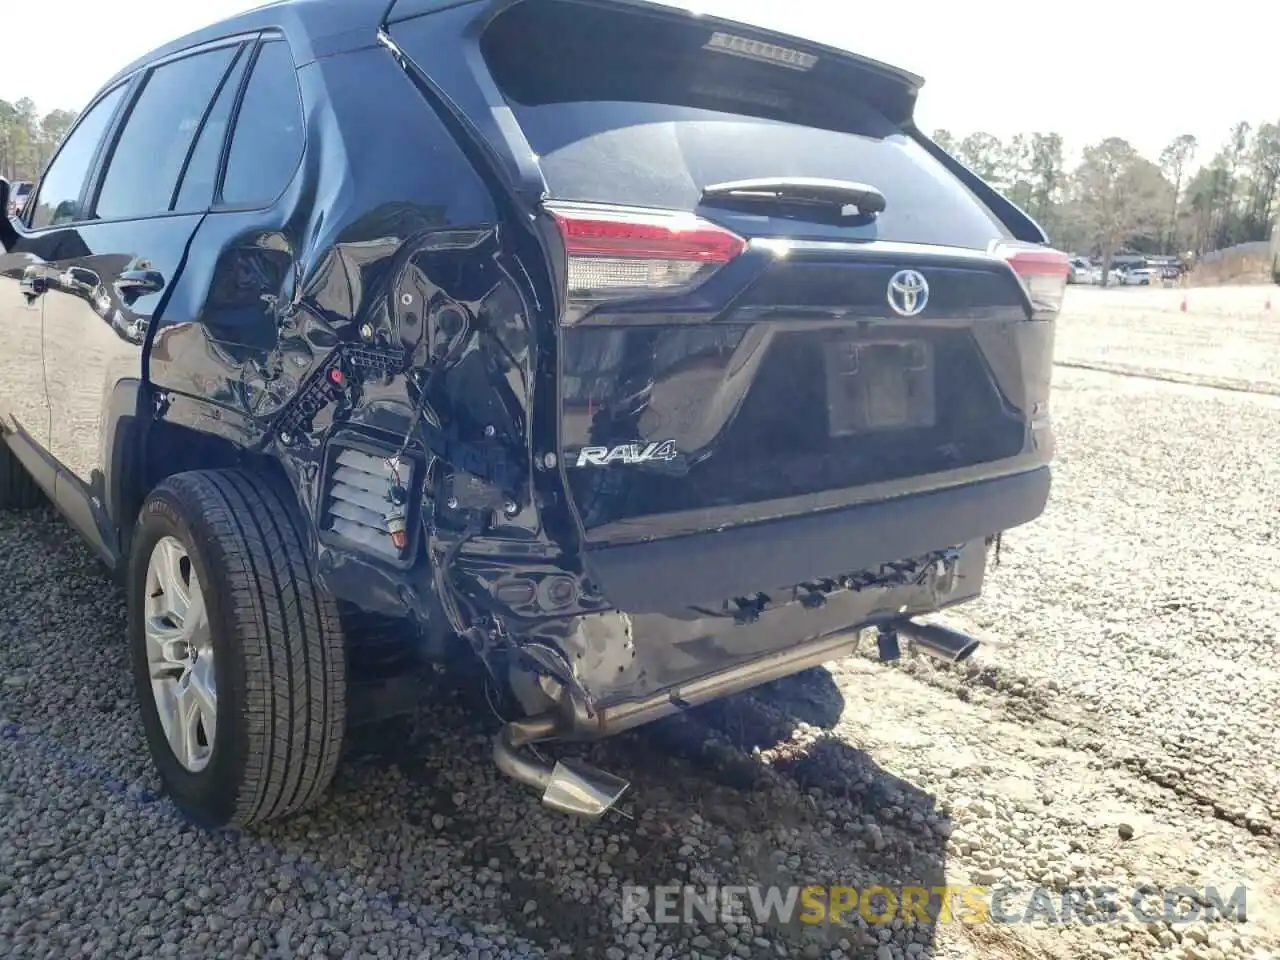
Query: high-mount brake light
x=617, y=253
x=759, y=50
x=1043, y=272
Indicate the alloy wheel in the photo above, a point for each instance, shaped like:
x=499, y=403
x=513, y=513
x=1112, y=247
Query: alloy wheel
x=180, y=658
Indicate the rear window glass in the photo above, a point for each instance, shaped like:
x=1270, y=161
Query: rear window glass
x=148, y=156
x=637, y=110
x=267, y=143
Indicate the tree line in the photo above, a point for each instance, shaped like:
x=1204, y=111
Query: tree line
x=1114, y=200
x=27, y=140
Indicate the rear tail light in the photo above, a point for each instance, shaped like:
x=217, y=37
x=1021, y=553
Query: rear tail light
x=1043, y=273
x=615, y=253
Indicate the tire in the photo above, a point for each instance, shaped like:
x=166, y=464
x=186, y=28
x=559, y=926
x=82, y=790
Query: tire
x=278, y=663
x=18, y=491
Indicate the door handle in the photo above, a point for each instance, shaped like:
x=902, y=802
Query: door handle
x=33, y=283
x=74, y=275
x=133, y=284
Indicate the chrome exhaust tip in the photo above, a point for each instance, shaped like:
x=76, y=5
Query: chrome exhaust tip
x=582, y=789
x=568, y=786
x=939, y=642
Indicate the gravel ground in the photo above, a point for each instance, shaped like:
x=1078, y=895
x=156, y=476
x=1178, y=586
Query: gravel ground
x=1229, y=336
x=1119, y=728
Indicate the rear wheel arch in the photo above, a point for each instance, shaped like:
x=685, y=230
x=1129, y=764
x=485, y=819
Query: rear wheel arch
x=143, y=451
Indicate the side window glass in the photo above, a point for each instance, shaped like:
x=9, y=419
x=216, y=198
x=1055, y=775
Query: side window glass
x=267, y=143
x=201, y=178
x=59, y=198
x=148, y=156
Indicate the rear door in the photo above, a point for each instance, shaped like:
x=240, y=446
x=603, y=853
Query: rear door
x=105, y=291
x=220, y=325
x=46, y=233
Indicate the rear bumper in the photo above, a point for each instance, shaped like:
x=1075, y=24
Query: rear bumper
x=674, y=574
x=683, y=662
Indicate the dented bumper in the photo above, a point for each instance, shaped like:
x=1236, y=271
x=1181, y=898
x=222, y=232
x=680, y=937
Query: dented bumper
x=670, y=574
x=640, y=631
x=648, y=666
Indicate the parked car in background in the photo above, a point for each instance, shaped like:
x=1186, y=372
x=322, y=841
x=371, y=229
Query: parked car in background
x=1081, y=270
x=19, y=191
x=1138, y=275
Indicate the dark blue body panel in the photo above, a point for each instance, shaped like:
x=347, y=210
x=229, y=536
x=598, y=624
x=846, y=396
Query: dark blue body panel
x=405, y=297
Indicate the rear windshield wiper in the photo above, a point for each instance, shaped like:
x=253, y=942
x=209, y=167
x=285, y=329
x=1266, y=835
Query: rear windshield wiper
x=798, y=191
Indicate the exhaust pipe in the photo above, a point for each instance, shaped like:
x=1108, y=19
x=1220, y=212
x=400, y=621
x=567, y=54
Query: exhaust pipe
x=573, y=787
x=939, y=642
x=568, y=786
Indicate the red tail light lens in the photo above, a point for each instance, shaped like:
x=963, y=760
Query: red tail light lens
x=615, y=253
x=1043, y=273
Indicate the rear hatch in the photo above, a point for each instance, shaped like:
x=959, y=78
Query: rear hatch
x=778, y=296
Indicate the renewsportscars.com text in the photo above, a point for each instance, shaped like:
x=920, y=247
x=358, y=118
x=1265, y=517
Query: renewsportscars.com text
x=969, y=904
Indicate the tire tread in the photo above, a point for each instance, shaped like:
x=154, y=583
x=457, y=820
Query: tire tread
x=289, y=635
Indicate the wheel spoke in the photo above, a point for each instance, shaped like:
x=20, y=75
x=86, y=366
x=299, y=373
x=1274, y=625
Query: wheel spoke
x=188, y=724
x=180, y=655
x=167, y=650
x=166, y=672
x=195, y=623
x=171, y=709
x=169, y=575
x=202, y=690
x=162, y=632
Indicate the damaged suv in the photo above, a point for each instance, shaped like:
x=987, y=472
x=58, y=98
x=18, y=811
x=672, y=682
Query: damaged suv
x=644, y=356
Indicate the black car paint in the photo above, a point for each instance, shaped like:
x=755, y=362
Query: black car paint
x=400, y=248
x=678, y=375
x=267, y=295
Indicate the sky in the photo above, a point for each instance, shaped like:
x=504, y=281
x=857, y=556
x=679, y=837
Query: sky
x=1087, y=69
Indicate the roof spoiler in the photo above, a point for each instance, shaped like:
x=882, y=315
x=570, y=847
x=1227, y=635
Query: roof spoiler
x=898, y=88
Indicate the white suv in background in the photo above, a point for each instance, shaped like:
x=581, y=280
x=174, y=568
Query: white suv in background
x=18, y=193
x=1139, y=275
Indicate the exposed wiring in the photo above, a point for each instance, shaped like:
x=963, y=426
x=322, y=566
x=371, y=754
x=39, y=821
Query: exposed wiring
x=439, y=364
x=488, y=698
x=445, y=589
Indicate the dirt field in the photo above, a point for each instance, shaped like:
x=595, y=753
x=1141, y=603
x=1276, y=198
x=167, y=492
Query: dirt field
x=1228, y=336
x=1118, y=730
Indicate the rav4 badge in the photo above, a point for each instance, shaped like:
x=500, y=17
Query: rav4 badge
x=629, y=453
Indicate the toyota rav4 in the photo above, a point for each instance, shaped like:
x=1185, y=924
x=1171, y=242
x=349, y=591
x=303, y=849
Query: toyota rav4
x=644, y=356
